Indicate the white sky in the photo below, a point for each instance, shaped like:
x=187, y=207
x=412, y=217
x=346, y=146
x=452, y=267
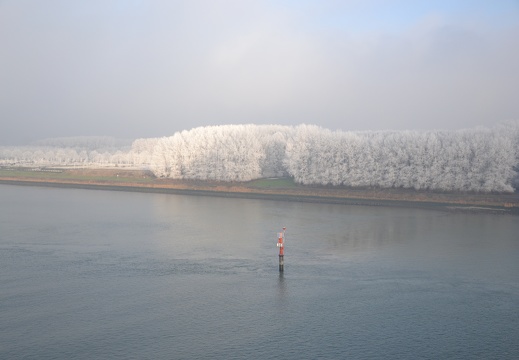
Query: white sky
x=134, y=69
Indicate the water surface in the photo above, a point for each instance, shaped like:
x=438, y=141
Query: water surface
x=90, y=274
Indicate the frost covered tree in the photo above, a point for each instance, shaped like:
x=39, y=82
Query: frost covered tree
x=226, y=153
x=468, y=160
x=480, y=159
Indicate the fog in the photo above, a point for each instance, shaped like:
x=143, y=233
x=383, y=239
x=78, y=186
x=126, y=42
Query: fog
x=136, y=69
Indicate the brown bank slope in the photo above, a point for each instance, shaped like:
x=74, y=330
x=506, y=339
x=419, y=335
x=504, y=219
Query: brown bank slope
x=275, y=189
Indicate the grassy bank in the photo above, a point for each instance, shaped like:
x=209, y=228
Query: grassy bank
x=275, y=188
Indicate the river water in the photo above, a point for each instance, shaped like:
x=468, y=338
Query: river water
x=88, y=274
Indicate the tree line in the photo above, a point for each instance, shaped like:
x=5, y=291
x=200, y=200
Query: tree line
x=479, y=159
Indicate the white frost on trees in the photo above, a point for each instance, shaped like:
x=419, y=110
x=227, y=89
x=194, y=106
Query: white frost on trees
x=480, y=159
x=225, y=153
x=81, y=151
x=469, y=160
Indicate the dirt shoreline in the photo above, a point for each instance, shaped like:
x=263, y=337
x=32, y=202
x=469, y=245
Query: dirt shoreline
x=142, y=181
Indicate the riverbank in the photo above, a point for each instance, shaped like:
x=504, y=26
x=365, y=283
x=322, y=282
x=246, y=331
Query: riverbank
x=272, y=189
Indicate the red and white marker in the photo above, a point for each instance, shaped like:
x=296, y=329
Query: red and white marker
x=281, y=246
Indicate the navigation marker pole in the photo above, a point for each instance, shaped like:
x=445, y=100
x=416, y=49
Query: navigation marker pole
x=281, y=246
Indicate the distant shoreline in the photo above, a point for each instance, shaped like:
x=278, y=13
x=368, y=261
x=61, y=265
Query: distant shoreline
x=266, y=189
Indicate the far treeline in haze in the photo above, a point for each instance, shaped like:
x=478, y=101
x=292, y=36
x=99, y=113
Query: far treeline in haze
x=479, y=159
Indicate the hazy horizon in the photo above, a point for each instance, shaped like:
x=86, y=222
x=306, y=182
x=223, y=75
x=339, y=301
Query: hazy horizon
x=137, y=69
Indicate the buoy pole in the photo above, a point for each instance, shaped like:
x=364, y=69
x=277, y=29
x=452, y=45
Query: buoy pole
x=281, y=246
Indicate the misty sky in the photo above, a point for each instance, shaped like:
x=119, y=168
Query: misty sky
x=133, y=69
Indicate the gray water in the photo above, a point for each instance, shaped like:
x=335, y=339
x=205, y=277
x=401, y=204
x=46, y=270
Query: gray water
x=110, y=275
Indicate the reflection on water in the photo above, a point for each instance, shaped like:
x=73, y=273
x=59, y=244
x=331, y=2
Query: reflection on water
x=282, y=286
x=95, y=274
x=370, y=233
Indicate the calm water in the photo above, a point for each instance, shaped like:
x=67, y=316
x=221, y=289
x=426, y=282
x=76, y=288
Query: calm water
x=107, y=275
